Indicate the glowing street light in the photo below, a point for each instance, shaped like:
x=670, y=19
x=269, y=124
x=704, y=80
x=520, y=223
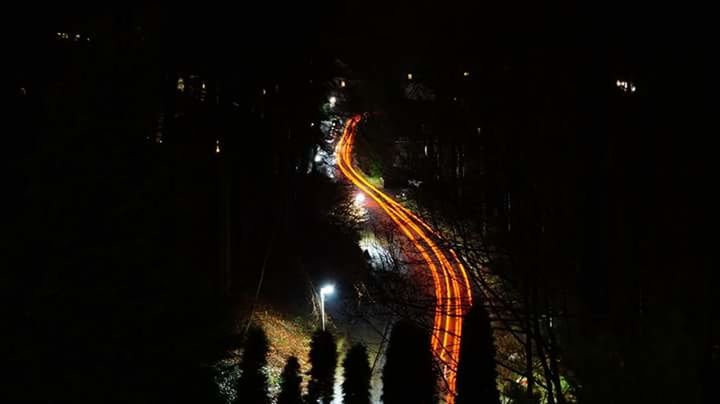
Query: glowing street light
x=359, y=199
x=325, y=290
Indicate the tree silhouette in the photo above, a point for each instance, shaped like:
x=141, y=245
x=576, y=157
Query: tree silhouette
x=323, y=359
x=356, y=387
x=476, y=375
x=290, y=379
x=408, y=375
x=253, y=385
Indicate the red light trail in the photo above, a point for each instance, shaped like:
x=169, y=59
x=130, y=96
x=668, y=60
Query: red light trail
x=453, y=295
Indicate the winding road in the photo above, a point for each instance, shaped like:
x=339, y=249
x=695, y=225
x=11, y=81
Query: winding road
x=453, y=295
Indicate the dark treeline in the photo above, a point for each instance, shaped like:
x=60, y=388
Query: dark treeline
x=409, y=372
x=586, y=198
x=135, y=248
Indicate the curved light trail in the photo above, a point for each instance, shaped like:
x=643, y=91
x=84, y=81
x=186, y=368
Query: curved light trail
x=453, y=295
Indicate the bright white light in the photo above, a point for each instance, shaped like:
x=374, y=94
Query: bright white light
x=466, y=74
x=321, y=155
x=312, y=124
x=332, y=101
x=217, y=146
x=342, y=83
x=264, y=91
x=625, y=86
x=359, y=198
x=409, y=76
x=203, y=86
x=327, y=290
x=181, y=84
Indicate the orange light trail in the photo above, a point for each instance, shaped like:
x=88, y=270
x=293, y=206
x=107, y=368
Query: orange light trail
x=452, y=297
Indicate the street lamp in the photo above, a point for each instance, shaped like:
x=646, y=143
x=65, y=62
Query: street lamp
x=325, y=290
x=359, y=199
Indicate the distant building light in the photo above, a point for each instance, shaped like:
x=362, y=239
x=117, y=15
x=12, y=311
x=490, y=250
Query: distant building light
x=312, y=124
x=466, y=74
x=409, y=76
x=181, y=84
x=77, y=37
x=333, y=101
x=264, y=92
x=625, y=86
x=217, y=146
x=342, y=83
x=203, y=85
